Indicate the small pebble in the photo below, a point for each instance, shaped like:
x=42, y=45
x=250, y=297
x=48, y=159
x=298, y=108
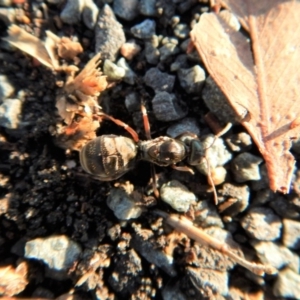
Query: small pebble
x=6, y=88
x=192, y=79
x=143, y=243
x=90, y=14
x=166, y=9
x=112, y=71
x=144, y=30
x=71, y=13
x=168, y=49
x=171, y=291
x=209, y=279
x=126, y=9
x=10, y=111
x=182, y=31
x=180, y=62
x=184, y=6
x=241, y=193
x=263, y=183
x=216, y=153
x=159, y=81
x=217, y=103
x=71, y=164
x=130, y=76
x=262, y=197
x=245, y=166
x=291, y=234
x=276, y=255
x=206, y=215
x=132, y=102
x=284, y=208
x=109, y=34
x=130, y=49
x=239, y=142
x=58, y=252
x=151, y=52
x=262, y=224
x=166, y=107
x=177, y=195
x=8, y=17
x=148, y=8
x=185, y=125
x=123, y=205
x=287, y=285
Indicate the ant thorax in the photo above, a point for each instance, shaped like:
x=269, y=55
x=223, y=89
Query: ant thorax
x=163, y=151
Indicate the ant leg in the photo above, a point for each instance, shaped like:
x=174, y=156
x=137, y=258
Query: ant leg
x=215, y=126
x=148, y=135
x=154, y=184
x=122, y=124
x=183, y=169
x=146, y=122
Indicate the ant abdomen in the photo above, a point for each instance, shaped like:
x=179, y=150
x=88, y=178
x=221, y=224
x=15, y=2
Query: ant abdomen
x=108, y=157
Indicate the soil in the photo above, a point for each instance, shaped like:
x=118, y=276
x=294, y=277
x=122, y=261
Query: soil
x=44, y=191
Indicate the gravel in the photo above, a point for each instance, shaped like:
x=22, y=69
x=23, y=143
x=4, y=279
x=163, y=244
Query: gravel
x=245, y=166
x=109, y=34
x=144, y=30
x=129, y=76
x=123, y=205
x=159, y=81
x=126, y=9
x=192, y=80
x=58, y=252
x=114, y=243
x=166, y=107
x=71, y=14
x=183, y=126
x=261, y=223
x=6, y=88
x=10, y=111
x=291, y=234
x=287, y=284
x=177, y=195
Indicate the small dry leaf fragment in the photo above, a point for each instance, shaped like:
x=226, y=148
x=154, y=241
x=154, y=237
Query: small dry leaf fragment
x=183, y=225
x=89, y=82
x=68, y=49
x=13, y=281
x=46, y=52
x=264, y=80
x=32, y=46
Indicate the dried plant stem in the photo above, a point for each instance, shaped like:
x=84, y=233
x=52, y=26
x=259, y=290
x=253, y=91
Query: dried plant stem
x=185, y=226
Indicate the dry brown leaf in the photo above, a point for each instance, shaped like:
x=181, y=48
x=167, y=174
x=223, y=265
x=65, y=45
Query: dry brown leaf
x=262, y=79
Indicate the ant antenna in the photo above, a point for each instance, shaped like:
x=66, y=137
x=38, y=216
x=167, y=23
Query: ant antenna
x=214, y=124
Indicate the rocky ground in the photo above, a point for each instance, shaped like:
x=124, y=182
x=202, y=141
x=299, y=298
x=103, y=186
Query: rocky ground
x=63, y=231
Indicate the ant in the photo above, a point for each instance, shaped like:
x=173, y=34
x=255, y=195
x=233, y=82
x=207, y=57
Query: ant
x=108, y=157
